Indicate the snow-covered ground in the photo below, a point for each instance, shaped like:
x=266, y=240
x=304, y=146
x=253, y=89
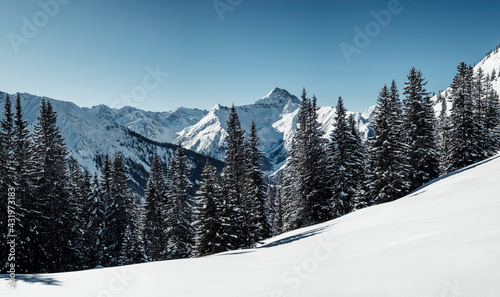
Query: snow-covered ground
x=443, y=240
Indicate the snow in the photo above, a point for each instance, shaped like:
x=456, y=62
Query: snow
x=275, y=115
x=442, y=240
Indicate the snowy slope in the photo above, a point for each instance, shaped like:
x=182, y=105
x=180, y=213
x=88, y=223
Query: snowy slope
x=443, y=240
x=488, y=64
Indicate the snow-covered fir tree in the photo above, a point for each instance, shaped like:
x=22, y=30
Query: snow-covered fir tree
x=387, y=162
x=132, y=249
x=233, y=176
x=420, y=123
x=465, y=146
x=443, y=130
x=308, y=198
x=207, y=218
x=79, y=189
x=253, y=197
x=356, y=165
x=346, y=161
x=6, y=176
x=118, y=212
x=95, y=223
x=492, y=118
x=155, y=241
x=179, y=218
x=53, y=201
x=275, y=204
x=480, y=108
x=29, y=244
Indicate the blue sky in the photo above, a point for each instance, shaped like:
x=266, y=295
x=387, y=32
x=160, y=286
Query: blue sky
x=103, y=52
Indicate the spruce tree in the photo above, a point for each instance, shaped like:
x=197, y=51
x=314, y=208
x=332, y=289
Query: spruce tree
x=356, y=166
x=492, y=119
x=53, y=202
x=308, y=199
x=253, y=197
x=207, y=214
x=479, y=97
x=155, y=242
x=179, y=217
x=387, y=161
x=6, y=176
x=30, y=246
x=464, y=146
x=79, y=189
x=118, y=213
x=443, y=130
x=233, y=174
x=346, y=161
x=96, y=223
x=132, y=250
x=420, y=122
x=275, y=202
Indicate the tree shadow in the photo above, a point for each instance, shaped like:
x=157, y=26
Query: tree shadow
x=295, y=237
x=34, y=278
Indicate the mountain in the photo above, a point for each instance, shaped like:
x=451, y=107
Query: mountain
x=91, y=133
x=157, y=126
x=275, y=118
x=490, y=64
x=442, y=240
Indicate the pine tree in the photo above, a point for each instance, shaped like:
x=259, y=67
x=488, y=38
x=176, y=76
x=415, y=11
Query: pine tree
x=253, y=198
x=132, y=249
x=233, y=175
x=387, y=162
x=95, y=224
x=479, y=96
x=104, y=193
x=6, y=176
x=356, y=165
x=492, y=118
x=56, y=219
x=30, y=245
x=79, y=189
x=179, y=218
x=275, y=204
x=464, y=146
x=208, y=224
x=308, y=196
x=420, y=125
x=443, y=130
x=118, y=213
x=346, y=161
x=155, y=213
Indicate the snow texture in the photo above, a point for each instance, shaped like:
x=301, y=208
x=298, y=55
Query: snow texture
x=442, y=240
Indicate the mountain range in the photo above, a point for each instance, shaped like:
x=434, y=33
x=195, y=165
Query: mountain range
x=90, y=133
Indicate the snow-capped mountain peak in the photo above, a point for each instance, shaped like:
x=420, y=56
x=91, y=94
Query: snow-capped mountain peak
x=277, y=97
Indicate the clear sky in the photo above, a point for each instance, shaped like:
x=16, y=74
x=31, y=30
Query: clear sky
x=234, y=51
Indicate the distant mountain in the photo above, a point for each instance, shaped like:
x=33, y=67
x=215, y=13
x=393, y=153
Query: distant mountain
x=90, y=134
x=158, y=126
x=490, y=65
x=275, y=117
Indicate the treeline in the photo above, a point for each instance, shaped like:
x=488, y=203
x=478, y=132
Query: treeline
x=328, y=178
x=67, y=219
